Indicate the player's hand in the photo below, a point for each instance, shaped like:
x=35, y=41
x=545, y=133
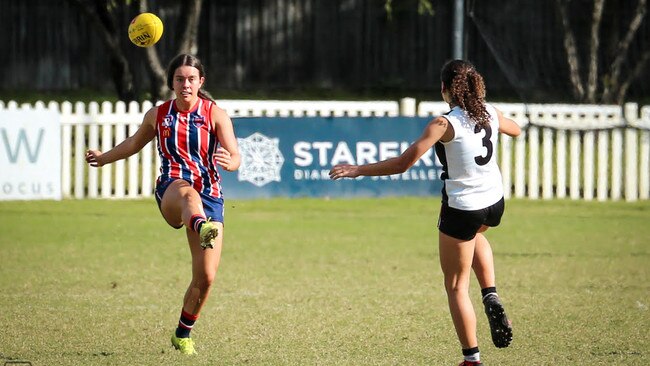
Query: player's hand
x=343, y=171
x=222, y=158
x=92, y=158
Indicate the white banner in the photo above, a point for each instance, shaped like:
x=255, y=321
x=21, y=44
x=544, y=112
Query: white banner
x=30, y=155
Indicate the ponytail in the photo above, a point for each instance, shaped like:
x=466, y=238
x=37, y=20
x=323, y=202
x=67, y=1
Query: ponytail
x=466, y=89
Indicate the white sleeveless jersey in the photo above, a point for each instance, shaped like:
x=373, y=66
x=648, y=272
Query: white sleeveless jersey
x=471, y=176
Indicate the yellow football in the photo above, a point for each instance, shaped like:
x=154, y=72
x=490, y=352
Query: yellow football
x=145, y=30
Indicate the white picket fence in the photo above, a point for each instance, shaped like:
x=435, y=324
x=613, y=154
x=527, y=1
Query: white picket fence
x=576, y=151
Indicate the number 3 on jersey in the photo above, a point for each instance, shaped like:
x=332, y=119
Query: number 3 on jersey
x=487, y=143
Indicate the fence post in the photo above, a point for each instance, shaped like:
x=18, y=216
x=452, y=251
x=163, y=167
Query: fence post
x=631, y=172
x=93, y=143
x=644, y=165
x=79, y=150
x=120, y=135
x=588, y=163
x=133, y=160
x=533, y=162
x=574, y=163
x=66, y=149
x=107, y=144
x=631, y=114
x=407, y=107
x=520, y=165
x=148, y=153
x=603, y=165
x=617, y=158
x=560, y=159
x=547, y=165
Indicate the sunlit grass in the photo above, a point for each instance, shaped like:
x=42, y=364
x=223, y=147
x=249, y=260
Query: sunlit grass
x=327, y=282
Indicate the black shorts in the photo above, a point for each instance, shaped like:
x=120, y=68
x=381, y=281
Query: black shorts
x=464, y=225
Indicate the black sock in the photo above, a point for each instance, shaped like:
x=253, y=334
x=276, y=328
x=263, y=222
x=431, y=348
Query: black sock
x=488, y=290
x=185, y=324
x=472, y=354
x=196, y=222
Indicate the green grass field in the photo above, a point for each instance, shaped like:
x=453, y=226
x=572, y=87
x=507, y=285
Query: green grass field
x=319, y=282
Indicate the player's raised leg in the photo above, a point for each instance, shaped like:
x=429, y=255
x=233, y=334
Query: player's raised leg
x=181, y=205
x=483, y=265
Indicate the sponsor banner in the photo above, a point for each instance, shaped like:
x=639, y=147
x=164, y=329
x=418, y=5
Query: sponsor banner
x=291, y=157
x=30, y=155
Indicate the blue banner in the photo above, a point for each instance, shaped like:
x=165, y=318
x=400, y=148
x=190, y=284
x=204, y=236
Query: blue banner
x=291, y=157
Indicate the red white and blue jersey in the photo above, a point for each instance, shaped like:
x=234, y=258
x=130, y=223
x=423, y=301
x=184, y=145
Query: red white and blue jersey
x=187, y=142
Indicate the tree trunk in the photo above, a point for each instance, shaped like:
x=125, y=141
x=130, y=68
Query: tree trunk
x=611, y=81
x=159, y=89
x=103, y=21
x=572, y=52
x=190, y=15
x=638, y=69
x=158, y=85
x=592, y=81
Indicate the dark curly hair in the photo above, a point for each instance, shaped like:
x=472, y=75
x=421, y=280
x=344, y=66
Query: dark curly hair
x=185, y=59
x=466, y=89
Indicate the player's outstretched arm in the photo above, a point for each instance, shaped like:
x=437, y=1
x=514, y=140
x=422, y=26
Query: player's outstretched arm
x=145, y=133
x=431, y=134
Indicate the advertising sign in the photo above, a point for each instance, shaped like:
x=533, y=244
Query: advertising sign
x=30, y=155
x=291, y=157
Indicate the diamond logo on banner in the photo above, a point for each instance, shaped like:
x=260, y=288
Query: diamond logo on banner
x=261, y=159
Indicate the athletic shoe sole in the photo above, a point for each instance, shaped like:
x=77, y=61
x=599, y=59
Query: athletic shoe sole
x=499, y=324
x=209, y=232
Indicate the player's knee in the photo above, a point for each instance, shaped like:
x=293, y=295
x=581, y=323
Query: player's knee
x=205, y=281
x=454, y=287
x=188, y=197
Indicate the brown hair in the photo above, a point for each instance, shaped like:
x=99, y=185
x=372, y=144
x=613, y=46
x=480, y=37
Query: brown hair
x=185, y=59
x=466, y=89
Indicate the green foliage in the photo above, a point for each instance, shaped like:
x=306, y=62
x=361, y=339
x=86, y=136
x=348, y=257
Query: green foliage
x=424, y=8
x=319, y=282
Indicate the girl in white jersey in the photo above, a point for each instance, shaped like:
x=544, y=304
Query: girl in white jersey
x=465, y=141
